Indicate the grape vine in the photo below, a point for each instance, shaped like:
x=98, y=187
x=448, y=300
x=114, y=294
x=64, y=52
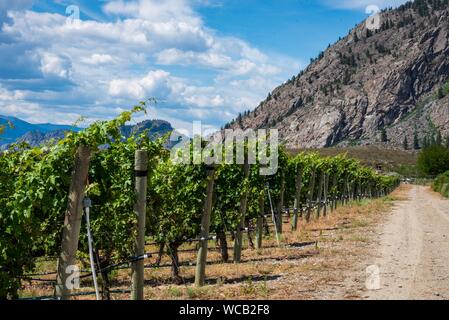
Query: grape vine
x=34, y=184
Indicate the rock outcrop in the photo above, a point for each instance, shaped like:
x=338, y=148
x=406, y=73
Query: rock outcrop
x=394, y=79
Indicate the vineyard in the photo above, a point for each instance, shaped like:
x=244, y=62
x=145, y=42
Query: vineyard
x=142, y=199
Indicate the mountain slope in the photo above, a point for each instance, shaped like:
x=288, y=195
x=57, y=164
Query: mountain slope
x=395, y=78
x=17, y=130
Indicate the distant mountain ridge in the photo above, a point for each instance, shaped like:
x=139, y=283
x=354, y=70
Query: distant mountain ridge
x=17, y=130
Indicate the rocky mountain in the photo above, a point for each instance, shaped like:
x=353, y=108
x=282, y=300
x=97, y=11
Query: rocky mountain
x=36, y=137
x=373, y=86
x=156, y=128
x=17, y=130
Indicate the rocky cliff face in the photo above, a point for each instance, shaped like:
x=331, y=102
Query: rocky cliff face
x=395, y=78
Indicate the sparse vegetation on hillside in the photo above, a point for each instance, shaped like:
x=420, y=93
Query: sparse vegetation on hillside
x=368, y=71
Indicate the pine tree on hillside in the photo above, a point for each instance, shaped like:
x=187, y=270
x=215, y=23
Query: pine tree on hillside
x=433, y=141
x=425, y=142
x=405, y=143
x=415, y=141
x=439, y=139
x=383, y=135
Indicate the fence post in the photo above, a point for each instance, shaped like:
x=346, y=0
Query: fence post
x=347, y=190
x=298, y=186
x=200, y=271
x=273, y=216
x=359, y=189
x=320, y=194
x=310, y=197
x=238, y=241
x=259, y=231
x=326, y=186
x=140, y=208
x=280, y=204
x=334, y=192
x=72, y=222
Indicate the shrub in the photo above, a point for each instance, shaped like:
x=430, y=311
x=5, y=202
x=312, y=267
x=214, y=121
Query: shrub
x=433, y=160
x=441, y=184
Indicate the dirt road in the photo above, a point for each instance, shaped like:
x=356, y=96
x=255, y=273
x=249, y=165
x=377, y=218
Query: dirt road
x=413, y=250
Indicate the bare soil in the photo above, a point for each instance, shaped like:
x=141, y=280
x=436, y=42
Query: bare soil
x=413, y=249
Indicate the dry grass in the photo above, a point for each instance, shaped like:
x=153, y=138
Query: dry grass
x=310, y=264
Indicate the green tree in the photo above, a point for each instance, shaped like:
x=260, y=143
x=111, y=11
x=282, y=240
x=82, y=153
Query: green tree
x=439, y=139
x=415, y=141
x=440, y=93
x=346, y=77
x=425, y=142
x=383, y=135
x=432, y=140
x=405, y=143
x=433, y=160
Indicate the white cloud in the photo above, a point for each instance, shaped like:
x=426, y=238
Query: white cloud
x=97, y=59
x=113, y=64
x=207, y=59
x=140, y=89
x=54, y=65
x=14, y=103
x=6, y=6
x=162, y=86
x=6, y=95
x=155, y=10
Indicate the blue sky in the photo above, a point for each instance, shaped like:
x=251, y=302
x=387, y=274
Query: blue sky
x=203, y=60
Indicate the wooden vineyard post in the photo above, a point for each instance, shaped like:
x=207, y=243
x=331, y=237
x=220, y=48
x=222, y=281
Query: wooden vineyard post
x=320, y=194
x=351, y=190
x=364, y=190
x=200, y=271
x=140, y=208
x=346, y=190
x=72, y=223
x=342, y=190
x=359, y=190
x=310, y=197
x=361, y=195
x=280, y=204
x=298, y=186
x=334, y=192
x=370, y=190
x=325, y=189
x=349, y=187
x=259, y=231
x=238, y=241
